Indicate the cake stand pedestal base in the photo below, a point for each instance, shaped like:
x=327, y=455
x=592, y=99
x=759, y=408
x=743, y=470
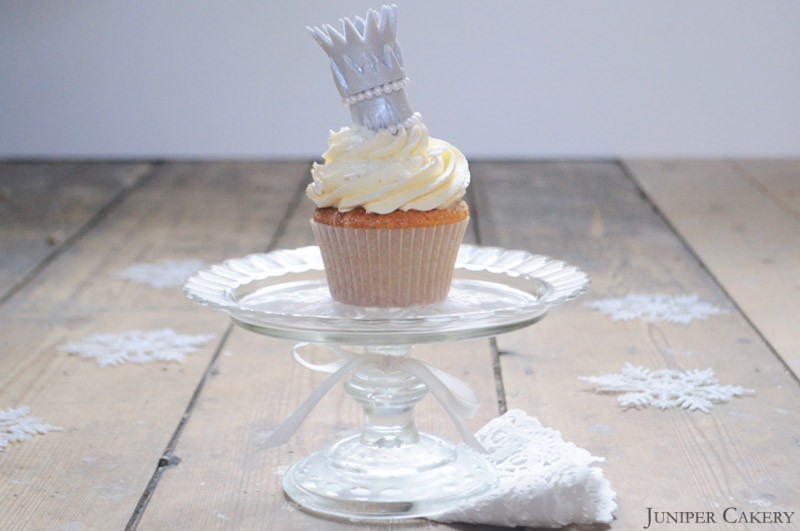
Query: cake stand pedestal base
x=440, y=477
x=390, y=470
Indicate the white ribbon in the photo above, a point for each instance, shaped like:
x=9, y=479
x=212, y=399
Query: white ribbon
x=457, y=398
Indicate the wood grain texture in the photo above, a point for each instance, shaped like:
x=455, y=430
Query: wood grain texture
x=117, y=421
x=778, y=179
x=593, y=216
x=45, y=205
x=226, y=480
x=740, y=220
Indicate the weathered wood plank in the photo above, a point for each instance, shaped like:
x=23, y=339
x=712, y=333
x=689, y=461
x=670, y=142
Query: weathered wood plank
x=117, y=421
x=592, y=215
x=223, y=479
x=743, y=231
x=779, y=180
x=43, y=205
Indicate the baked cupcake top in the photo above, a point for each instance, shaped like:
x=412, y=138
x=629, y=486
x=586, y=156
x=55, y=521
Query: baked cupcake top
x=358, y=218
x=386, y=161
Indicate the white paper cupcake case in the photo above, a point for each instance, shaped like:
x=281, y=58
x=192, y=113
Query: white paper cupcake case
x=389, y=267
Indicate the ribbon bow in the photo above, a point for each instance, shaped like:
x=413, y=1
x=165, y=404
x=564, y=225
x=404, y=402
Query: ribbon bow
x=457, y=398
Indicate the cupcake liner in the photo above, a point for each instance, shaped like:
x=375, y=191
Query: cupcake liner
x=389, y=267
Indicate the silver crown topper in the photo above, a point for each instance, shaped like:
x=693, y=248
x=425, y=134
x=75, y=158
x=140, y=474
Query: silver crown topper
x=368, y=68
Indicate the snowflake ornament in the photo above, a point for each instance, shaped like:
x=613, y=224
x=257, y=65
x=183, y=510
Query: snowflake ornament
x=137, y=346
x=666, y=388
x=164, y=274
x=16, y=426
x=677, y=309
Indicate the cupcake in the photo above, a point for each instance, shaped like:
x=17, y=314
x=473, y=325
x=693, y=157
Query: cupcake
x=390, y=212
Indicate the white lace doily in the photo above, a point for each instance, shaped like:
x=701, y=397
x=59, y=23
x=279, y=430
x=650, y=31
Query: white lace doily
x=666, y=388
x=544, y=481
x=136, y=346
x=16, y=426
x=677, y=309
x=163, y=274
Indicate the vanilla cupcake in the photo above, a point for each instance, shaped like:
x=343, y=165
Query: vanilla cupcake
x=390, y=215
x=390, y=211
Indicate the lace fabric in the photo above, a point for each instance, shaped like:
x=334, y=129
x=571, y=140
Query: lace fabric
x=543, y=481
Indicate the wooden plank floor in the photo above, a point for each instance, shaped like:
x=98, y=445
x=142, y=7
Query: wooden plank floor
x=43, y=206
x=176, y=446
x=754, y=249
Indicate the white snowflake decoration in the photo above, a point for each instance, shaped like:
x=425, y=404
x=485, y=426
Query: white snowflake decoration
x=137, y=346
x=164, y=274
x=677, y=309
x=666, y=388
x=16, y=426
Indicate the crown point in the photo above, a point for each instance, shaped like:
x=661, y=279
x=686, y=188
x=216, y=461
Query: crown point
x=389, y=17
x=371, y=29
x=351, y=34
x=322, y=37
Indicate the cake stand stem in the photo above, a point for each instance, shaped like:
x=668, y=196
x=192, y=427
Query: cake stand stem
x=388, y=396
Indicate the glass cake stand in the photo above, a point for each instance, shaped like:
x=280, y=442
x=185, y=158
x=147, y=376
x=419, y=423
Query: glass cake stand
x=390, y=470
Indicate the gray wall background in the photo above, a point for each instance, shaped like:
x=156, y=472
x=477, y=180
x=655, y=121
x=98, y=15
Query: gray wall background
x=514, y=78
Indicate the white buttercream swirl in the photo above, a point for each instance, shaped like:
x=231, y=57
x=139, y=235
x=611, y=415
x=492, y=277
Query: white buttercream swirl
x=383, y=172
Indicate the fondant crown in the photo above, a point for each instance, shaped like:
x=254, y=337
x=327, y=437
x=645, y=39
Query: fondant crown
x=368, y=67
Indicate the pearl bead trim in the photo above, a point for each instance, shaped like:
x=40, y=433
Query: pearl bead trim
x=408, y=123
x=388, y=88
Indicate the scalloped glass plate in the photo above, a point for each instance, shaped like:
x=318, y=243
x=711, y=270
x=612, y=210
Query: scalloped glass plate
x=284, y=294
